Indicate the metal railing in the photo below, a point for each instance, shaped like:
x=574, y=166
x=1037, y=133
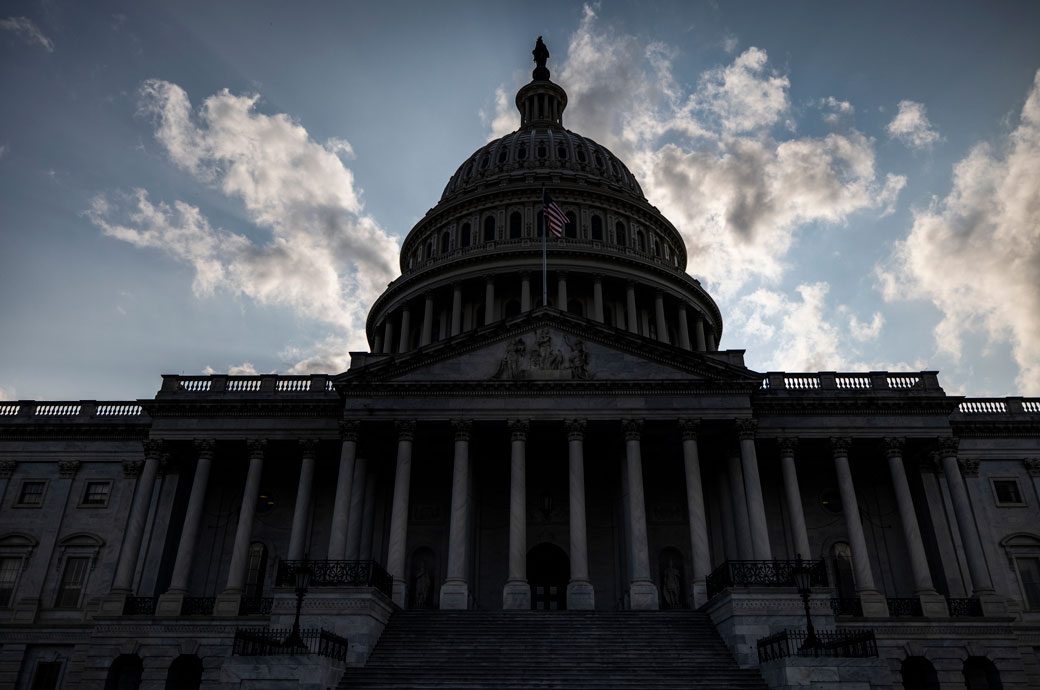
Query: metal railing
x=198, y=606
x=960, y=608
x=762, y=574
x=256, y=606
x=271, y=641
x=904, y=606
x=140, y=606
x=838, y=643
x=847, y=606
x=337, y=574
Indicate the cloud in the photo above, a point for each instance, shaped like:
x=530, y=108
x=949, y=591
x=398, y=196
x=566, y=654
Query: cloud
x=4, y=150
x=912, y=127
x=323, y=258
x=975, y=254
x=866, y=331
x=7, y=393
x=24, y=27
x=838, y=111
x=504, y=117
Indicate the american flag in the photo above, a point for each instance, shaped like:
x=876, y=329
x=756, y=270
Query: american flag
x=555, y=218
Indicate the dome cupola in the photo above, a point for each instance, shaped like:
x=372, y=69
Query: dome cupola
x=541, y=102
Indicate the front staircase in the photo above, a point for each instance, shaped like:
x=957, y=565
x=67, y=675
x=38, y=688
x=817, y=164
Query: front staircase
x=558, y=649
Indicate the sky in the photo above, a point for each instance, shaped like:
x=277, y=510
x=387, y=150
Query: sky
x=201, y=187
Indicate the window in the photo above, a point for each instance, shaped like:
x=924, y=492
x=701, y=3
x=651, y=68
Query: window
x=619, y=233
x=597, y=228
x=70, y=590
x=516, y=224
x=9, y=569
x=1007, y=492
x=571, y=229
x=465, y=235
x=1029, y=578
x=561, y=152
x=445, y=242
x=489, y=229
x=95, y=495
x=640, y=241
x=31, y=493
x=47, y=675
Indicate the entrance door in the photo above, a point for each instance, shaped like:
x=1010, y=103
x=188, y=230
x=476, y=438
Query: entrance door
x=548, y=570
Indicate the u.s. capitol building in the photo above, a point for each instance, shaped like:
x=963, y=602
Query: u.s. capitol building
x=586, y=492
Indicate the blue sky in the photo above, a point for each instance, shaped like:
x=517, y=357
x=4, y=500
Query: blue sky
x=190, y=187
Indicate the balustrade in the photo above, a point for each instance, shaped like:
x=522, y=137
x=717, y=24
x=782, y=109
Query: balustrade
x=847, y=606
x=855, y=644
x=762, y=574
x=271, y=641
x=198, y=606
x=140, y=606
x=336, y=574
x=961, y=608
x=904, y=606
x=256, y=606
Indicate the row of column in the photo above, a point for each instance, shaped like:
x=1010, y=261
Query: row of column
x=702, y=339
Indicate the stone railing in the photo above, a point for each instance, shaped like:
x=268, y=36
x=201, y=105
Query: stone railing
x=964, y=608
x=336, y=574
x=830, y=643
x=762, y=574
x=920, y=381
x=272, y=641
x=847, y=606
x=905, y=606
x=140, y=606
x=80, y=410
x=999, y=406
x=261, y=385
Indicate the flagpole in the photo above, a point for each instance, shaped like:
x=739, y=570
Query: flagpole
x=545, y=299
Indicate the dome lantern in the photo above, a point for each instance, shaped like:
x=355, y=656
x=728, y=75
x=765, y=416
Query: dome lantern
x=541, y=102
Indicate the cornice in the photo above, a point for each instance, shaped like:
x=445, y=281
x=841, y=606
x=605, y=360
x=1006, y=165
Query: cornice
x=993, y=428
x=265, y=408
x=70, y=432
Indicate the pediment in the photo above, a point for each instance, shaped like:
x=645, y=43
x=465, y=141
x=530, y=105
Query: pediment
x=547, y=345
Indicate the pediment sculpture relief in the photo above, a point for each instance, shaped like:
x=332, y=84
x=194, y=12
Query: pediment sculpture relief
x=543, y=360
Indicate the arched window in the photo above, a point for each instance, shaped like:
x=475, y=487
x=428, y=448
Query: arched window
x=185, y=673
x=981, y=674
x=255, y=571
x=918, y=674
x=640, y=241
x=503, y=153
x=445, y=242
x=124, y=673
x=542, y=150
x=582, y=158
x=429, y=249
x=597, y=228
x=657, y=246
x=465, y=238
x=516, y=225
x=571, y=229
x=619, y=234
x=575, y=307
x=485, y=161
x=521, y=152
x=561, y=152
x=489, y=229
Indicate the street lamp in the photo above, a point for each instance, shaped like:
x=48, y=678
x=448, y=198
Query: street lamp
x=303, y=580
x=803, y=581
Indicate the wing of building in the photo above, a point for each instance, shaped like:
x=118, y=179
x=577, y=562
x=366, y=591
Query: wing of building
x=544, y=453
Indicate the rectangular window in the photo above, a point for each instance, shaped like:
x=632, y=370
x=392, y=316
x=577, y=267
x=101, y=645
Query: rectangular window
x=9, y=568
x=96, y=494
x=47, y=675
x=1007, y=492
x=1029, y=576
x=31, y=493
x=72, y=579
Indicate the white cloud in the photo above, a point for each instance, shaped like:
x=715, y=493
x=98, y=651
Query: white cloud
x=7, y=393
x=866, y=331
x=24, y=27
x=324, y=258
x=912, y=127
x=804, y=340
x=837, y=111
x=975, y=254
x=504, y=118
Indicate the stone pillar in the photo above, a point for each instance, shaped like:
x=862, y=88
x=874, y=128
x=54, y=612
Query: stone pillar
x=982, y=585
x=348, y=431
x=642, y=592
x=388, y=335
x=134, y=532
x=302, y=509
x=456, y=308
x=580, y=594
x=517, y=593
x=932, y=603
x=455, y=590
x=377, y=346
x=489, y=299
x=745, y=546
x=746, y=429
x=713, y=345
x=684, y=328
x=698, y=334
x=561, y=290
x=662, y=325
x=695, y=507
x=525, y=292
x=406, y=329
x=427, y=322
x=597, y=298
x=396, y=550
x=170, y=603
x=794, y=497
x=874, y=604
x=228, y=602
x=633, y=316
x=356, y=512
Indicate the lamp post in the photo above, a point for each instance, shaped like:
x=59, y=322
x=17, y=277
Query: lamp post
x=303, y=580
x=803, y=581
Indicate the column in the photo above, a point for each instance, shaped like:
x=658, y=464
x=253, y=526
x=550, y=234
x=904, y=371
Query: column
x=427, y=322
x=525, y=292
x=455, y=590
x=794, y=497
x=597, y=298
x=302, y=510
x=580, y=594
x=395, y=557
x=980, y=579
x=228, y=602
x=932, y=603
x=684, y=328
x=356, y=512
x=561, y=290
x=134, y=533
x=642, y=593
x=170, y=603
x=456, y=308
x=377, y=346
x=695, y=506
x=388, y=335
x=630, y=298
x=698, y=334
x=406, y=329
x=874, y=604
x=662, y=325
x=745, y=547
x=489, y=300
x=348, y=431
x=711, y=342
x=517, y=593
x=746, y=429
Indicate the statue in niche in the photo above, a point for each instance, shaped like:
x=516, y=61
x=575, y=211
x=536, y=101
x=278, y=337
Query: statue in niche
x=512, y=365
x=672, y=585
x=578, y=361
x=423, y=584
x=544, y=356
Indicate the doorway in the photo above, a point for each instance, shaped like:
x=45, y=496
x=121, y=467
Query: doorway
x=548, y=570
